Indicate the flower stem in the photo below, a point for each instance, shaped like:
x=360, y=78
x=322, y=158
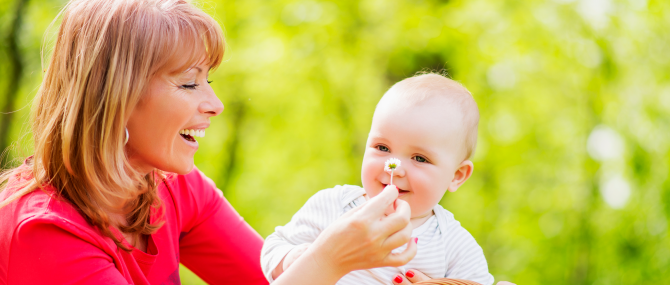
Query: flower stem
x=391, y=183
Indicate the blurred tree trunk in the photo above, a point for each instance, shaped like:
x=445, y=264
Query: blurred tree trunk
x=239, y=111
x=15, y=62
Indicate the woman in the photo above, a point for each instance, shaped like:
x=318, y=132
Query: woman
x=110, y=195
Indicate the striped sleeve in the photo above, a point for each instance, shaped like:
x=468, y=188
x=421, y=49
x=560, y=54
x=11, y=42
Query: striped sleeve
x=305, y=226
x=465, y=258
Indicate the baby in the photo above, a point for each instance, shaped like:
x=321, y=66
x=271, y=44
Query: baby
x=429, y=123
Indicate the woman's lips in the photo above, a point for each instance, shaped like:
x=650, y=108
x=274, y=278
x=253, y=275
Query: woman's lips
x=190, y=141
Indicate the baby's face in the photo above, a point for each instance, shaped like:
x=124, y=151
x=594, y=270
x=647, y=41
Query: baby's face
x=428, y=140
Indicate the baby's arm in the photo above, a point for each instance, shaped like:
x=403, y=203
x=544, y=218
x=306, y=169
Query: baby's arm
x=274, y=255
x=289, y=259
x=288, y=242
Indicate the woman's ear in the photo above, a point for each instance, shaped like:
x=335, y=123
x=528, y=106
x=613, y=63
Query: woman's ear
x=461, y=175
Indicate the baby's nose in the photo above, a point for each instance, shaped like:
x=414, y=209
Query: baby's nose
x=399, y=172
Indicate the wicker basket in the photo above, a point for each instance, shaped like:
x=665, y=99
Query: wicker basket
x=447, y=281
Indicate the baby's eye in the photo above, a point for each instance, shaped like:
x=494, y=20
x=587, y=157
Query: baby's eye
x=420, y=159
x=382, y=148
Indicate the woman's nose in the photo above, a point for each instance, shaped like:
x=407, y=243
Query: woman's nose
x=212, y=105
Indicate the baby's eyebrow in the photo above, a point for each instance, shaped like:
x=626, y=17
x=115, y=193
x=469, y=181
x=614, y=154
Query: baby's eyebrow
x=425, y=151
x=377, y=137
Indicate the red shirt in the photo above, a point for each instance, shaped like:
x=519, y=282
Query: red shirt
x=45, y=240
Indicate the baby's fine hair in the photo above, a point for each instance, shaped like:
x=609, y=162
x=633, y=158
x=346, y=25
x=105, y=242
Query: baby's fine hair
x=426, y=85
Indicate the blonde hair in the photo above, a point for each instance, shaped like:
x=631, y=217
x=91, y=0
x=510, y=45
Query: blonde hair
x=425, y=85
x=105, y=53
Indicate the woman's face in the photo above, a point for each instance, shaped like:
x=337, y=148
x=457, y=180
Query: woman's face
x=174, y=103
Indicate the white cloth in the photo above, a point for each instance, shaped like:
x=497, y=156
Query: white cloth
x=445, y=249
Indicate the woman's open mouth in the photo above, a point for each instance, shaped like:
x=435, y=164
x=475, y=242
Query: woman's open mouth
x=190, y=135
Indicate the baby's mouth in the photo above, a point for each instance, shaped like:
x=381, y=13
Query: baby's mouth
x=400, y=191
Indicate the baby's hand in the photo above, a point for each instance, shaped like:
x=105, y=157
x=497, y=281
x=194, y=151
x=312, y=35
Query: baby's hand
x=294, y=254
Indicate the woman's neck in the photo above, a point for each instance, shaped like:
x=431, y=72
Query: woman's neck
x=138, y=241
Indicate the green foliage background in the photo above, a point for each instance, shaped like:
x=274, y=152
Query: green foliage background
x=571, y=172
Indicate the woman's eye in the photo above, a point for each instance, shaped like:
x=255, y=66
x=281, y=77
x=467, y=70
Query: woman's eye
x=382, y=148
x=190, y=86
x=420, y=159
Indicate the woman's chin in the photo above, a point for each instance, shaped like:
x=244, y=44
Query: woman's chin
x=182, y=168
x=186, y=169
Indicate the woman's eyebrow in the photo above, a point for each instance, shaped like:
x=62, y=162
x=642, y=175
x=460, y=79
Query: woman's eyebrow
x=191, y=68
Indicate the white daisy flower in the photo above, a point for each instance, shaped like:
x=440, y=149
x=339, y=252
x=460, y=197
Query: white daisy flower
x=391, y=164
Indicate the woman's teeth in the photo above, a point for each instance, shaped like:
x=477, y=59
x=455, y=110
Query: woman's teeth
x=193, y=133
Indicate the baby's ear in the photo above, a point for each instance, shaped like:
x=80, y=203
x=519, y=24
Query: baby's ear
x=463, y=172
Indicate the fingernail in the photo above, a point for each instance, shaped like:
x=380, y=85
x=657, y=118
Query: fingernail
x=409, y=274
x=416, y=240
x=398, y=279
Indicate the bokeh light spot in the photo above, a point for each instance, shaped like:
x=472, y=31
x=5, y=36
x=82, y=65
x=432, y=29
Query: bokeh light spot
x=605, y=144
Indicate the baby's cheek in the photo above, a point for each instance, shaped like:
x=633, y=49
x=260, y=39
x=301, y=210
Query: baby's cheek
x=371, y=192
x=371, y=188
x=423, y=203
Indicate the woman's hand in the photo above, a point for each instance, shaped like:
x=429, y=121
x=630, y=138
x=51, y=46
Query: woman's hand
x=364, y=237
x=411, y=276
x=414, y=276
x=360, y=239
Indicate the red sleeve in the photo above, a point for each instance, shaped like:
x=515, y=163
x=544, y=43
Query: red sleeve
x=59, y=259
x=216, y=243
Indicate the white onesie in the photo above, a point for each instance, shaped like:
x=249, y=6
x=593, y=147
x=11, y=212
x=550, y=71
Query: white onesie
x=445, y=249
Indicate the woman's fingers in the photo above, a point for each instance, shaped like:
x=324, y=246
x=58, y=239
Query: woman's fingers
x=399, y=279
x=414, y=276
x=398, y=239
x=357, y=239
x=377, y=205
x=402, y=258
x=350, y=212
x=396, y=221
